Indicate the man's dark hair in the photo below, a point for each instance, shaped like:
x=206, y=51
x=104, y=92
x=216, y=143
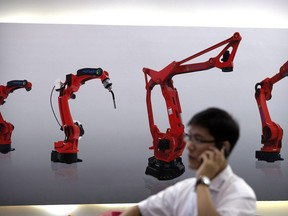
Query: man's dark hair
x=220, y=124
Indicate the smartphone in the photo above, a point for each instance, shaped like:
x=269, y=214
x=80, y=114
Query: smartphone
x=219, y=145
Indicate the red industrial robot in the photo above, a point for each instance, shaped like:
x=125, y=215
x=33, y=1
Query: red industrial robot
x=66, y=151
x=272, y=132
x=7, y=128
x=166, y=163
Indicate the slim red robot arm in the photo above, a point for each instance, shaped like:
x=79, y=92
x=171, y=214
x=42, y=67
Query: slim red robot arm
x=272, y=132
x=66, y=151
x=6, y=128
x=169, y=146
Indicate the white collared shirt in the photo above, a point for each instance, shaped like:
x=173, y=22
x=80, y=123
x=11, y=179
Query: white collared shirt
x=231, y=195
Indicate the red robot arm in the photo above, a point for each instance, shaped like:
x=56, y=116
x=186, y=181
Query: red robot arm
x=6, y=128
x=168, y=147
x=66, y=151
x=272, y=132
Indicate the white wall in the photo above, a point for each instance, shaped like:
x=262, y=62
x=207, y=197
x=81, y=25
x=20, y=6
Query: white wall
x=117, y=141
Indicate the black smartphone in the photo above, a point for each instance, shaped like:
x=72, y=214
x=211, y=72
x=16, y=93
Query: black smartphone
x=219, y=145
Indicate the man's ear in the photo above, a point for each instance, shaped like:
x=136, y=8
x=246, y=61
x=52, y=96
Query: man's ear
x=227, y=147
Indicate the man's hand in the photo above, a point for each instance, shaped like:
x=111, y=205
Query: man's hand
x=213, y=162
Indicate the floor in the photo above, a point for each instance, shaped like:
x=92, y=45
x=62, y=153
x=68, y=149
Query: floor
x=279, y=208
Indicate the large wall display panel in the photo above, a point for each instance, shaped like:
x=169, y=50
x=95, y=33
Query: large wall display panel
x=114, y=148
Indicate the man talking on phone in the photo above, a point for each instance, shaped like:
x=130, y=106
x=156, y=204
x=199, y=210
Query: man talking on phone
x=215, y=190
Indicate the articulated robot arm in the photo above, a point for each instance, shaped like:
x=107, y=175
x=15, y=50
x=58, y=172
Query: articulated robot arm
x=66, y=151
x=272, y=132
x=6, y=128
x=168, y=147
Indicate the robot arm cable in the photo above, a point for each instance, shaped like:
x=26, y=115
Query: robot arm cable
x=51, y=104
x=113, y=97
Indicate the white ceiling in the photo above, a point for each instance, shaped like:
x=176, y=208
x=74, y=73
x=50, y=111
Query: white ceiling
x=219, y=13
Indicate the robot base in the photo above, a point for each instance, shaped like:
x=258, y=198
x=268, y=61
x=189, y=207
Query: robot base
x=165, y=170
x=64, y=157
x=268, y=156
x=5, y=148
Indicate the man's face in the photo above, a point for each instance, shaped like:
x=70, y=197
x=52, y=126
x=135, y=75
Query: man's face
x=198, y=140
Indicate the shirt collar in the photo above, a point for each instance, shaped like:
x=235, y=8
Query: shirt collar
x=220, y=179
